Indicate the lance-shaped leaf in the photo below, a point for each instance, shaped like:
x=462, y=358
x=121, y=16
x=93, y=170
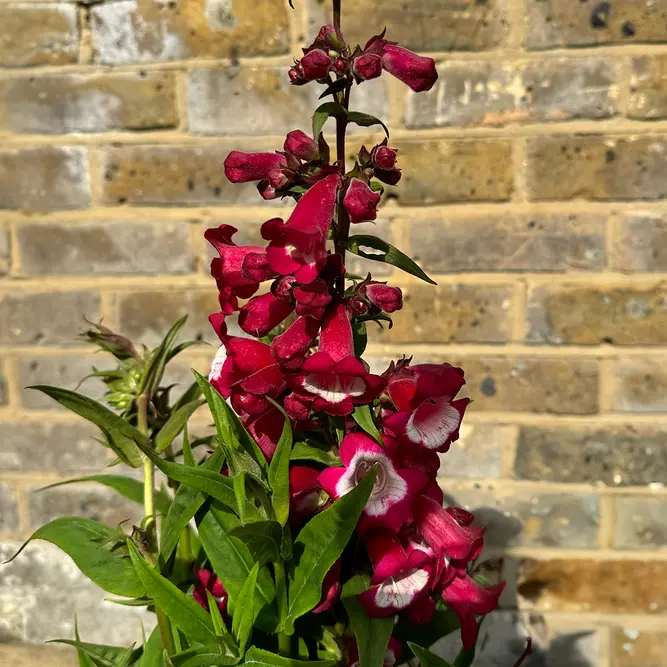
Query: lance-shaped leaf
x=263, y=539
x=314, y=451
x=257, y=657
x=246, y=610
x=427, y=658
x=175, y=424
x=279, y=474
x=319, y=545
x=203, y=656
x=152, y=375
x=89, y=544
x=232, y=561
x=365, y=120
x=121, y=436
x=102, y=655
x=153, y=655
x=129, y=488
x=386, y=253
x=323, y=113
x=363, y=416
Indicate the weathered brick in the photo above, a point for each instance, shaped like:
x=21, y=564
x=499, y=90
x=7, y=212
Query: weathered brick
x=38, y=34
x=42, y=591
x=597, y=167
x=30, y=655
x=483, y=93
x=641, y=244
x=624, y=456
x=641, y=385
x=63, y=371
x=116, y=248
x=478, y=451
x=648, y=88
x=9, y=513
x=573, y=23
x=261, y=101
x=89, y=103
x=58, y=448
x=92, y=502
x=515, y=517
x=5, y=250
x=146, y=316
x=574, y=584
x=531, y=384
x=3, y=386
x=133, y=31
x=450, y=170
x=588, y=316
x=451, y=313
x=47, y=318
x=170, y=175
x=509, y=242
x=640, y=522
x=430, y=25
x=44, y=179
x=638, y=648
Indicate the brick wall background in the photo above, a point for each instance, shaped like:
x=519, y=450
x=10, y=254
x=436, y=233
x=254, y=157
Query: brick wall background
x=535, y=192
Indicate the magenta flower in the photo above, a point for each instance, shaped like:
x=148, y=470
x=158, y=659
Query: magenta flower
x=305, y=493
x=361, y=202
x=331, y=588
x=312, y=299
x=266, y=427
x=383, y=157
x=367, y=66
x=301, y=145
x=263, y=313
x=298, y=247
x=388, y=299
x=394, y=490
x=316, y=64
x=290, y=347
x=244, y=167
x=399, y=579
x=208, y=581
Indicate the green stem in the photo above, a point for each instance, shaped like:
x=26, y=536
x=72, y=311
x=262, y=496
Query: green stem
x=166, y=634
x=343, y=219
x=284, y=644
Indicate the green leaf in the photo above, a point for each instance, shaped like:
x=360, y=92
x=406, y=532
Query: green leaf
x=311, y=451
x=227, y=424
x=241, y=463
x=153, y=655
x=323, y=113
x=188, y=456
x=389, y=254
x=279, y=474
x=102, y=655
x=88, y=543
x=120, y=434
x=239, y=494
x=184, y=506
x=363, y=416
x=246, y=611
x=360, y=337
x=175, y=424
x=320, y=543
x=372, y=634
x=128, y=487
x=182, y=609
x=232, y=561
x=427, y=658
x=263, y=539
x=152, y=375
x=365, y=120
x=338, y=86
x=203, y=656
x=257, y=657
x=216, y=617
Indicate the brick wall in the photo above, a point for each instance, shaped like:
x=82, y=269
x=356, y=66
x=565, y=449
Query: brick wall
x=535, y=192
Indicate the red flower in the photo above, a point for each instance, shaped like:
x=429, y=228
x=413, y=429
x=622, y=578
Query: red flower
x=263, y=313
x=415, y=71
x=316, y=64
x=298, y=247
x=244, y=167
x=384, y=157
x=301, y=145
x=208, y=581
x=312, y=299
x=386, y=298
x=361, y=202
x=331, y=588
x=305, y=494
x=290, y=347
x=389, y=502
x=367, y=66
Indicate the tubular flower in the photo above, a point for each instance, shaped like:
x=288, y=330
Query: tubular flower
x=331, y=588
x=208, y=581
x=361, y=202
x=305, y=493
x=394, y=490
x=245, y=167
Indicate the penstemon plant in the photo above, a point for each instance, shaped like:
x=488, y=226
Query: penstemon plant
x=310, y=529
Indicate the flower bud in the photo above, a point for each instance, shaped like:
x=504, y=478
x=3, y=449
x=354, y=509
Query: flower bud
x=267, y=191
x=415, y=71
x=367, y=66
x=384, y=158
x=386, y=298
x=389, y=176
x=300, y=144
x=340, y=66
x=316, y=65
x=356, y=306
x=360, y=201
x=330, y=37
x=243, y=167
x=278, y=179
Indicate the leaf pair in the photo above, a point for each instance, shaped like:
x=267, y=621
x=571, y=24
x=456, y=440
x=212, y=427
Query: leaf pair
x=335, y=110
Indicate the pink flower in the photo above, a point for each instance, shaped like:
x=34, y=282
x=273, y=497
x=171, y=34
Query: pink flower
x=468, y=599
x=305, y=494
x=290, y=347
x=423, y=396
x=265, y=428
x=315, y=65
x=367, y=66
x=333, y=378
x=208, y=581
x=298, y=247
x=386, y=298
x=331, y=588
x=312, y=299
x=391, y=657
x=244, y=167
x=328, y=36
x=399, y=579
x=415, y=71
x=389, y=503
x=384, y=157
x=302, y=146
x=263, y=313
x=360, y=201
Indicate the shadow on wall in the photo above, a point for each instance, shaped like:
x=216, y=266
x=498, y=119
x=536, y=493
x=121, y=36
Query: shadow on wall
x=503, y=634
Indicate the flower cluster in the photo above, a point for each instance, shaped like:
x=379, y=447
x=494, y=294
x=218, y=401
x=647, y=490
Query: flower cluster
x=303, y=314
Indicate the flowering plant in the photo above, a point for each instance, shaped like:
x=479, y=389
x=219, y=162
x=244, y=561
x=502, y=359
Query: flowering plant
x=310, y=529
